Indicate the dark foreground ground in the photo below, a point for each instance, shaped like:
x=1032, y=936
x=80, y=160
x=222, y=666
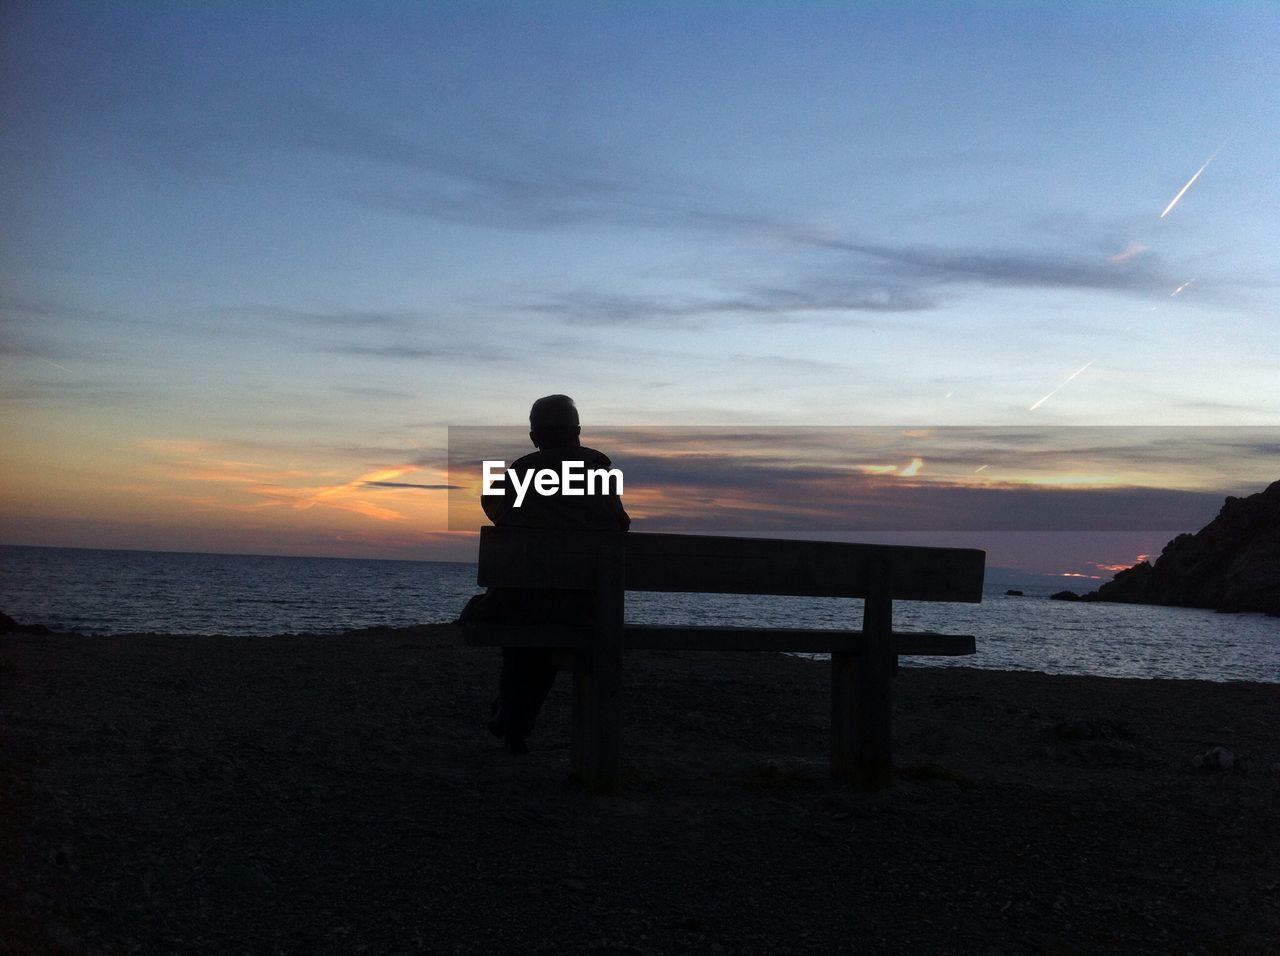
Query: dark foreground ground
x=339, y=795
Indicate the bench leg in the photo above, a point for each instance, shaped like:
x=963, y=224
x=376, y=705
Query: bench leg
x=861, y=696
x=597, y=684
x=843, y=722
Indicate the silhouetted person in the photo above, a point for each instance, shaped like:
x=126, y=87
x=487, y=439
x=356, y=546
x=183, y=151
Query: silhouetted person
x=528, y=673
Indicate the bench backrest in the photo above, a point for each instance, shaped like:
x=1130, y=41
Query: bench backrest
x=536, y=558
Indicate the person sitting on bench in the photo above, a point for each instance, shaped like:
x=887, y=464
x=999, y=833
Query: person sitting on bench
x=528, y=673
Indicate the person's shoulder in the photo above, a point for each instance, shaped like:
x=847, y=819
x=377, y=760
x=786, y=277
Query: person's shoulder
x=593, y=458
x=552, y=457
x=534, y=460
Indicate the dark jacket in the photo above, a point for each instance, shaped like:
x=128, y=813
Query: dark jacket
x=586, y=512
x=589, y=512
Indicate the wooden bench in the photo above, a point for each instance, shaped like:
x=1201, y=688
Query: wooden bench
x=863, y=662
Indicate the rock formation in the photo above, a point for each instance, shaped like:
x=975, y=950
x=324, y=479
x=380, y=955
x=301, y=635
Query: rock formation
x=1231, y=564
x=9, y=626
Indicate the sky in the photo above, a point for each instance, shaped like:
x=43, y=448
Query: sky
x=257, y=260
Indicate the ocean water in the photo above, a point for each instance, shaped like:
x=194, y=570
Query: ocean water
x=118, y=592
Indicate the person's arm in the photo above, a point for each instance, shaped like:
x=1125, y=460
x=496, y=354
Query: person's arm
x=615, y=501
x=497, y=507
x=494, y=506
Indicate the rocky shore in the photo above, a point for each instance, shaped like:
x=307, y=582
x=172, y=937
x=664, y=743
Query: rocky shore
x=1231, y=564
x=167, y=794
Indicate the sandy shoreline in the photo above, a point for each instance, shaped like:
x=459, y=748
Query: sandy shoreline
x=339, y=794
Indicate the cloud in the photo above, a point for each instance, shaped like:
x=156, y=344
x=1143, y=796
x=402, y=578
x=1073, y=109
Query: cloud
x=395, y=336
x=25, y=344
x=786, y=361
x=1130, y=251
x=1203, y=405
x=17, y=313
x=341, y=319
x=590, y=348
x=1066, y=270
x=39, y=330
x=206, y=120
x=549, y=196
x=890, y=279
x=78, y=393
x=372, y=391
x=232, y=478
x=764, y=496
x=479, y=354
x=778, y=304
x=898, y=479
x=206, y=114
x=497, y=184
x=409, y=484
x=1178, y=451
x=406, y=352
x=395, y=165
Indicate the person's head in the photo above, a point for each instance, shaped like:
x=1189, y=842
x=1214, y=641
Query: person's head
x=553, y=422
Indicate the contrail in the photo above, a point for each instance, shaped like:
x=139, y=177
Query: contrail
x=1181, y=287
x=1189, y=182
x=55, y=365
x=1062, y=386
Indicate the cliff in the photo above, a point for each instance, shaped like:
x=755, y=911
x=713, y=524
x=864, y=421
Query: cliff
x=1231, y=564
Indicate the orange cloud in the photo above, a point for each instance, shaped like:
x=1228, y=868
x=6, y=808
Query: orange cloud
x=237, y=485
x=1133, y=249
x=1120, y=567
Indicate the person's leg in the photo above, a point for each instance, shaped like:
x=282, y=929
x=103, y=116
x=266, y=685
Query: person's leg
x=497, y=720
x=527, y=673
x=510, y=703
x=541, y=678
x=527, y=676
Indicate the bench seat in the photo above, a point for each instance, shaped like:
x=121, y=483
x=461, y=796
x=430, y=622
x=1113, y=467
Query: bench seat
x=673, y=637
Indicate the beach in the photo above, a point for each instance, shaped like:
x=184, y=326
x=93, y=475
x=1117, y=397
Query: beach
x=340, y=794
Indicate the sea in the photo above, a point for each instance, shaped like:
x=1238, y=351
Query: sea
x=100, y=592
